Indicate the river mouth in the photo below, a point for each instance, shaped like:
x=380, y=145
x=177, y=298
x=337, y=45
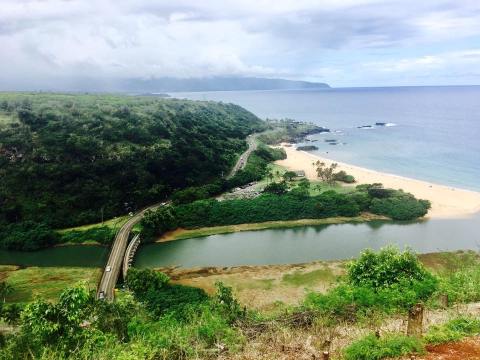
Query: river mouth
x=311, y=243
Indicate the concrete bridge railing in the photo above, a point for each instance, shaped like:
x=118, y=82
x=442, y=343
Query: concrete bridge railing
x=129, y=254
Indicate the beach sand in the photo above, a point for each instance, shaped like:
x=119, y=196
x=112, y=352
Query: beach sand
x=447, y=201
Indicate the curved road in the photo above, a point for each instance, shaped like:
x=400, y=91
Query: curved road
x=112, y=269
x=242, y=161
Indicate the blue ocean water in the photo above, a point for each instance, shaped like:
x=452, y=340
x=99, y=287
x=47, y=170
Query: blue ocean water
x=435, y=137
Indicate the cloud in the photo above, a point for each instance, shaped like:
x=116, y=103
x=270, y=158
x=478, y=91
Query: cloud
x=343, y=42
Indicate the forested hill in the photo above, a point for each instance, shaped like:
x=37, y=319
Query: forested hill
x=65, y=159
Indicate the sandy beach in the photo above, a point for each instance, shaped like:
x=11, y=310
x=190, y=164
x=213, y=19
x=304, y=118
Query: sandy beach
x=447, y=202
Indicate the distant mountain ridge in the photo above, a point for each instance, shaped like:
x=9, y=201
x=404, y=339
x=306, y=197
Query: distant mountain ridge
x=160, y=84
x=216, y=84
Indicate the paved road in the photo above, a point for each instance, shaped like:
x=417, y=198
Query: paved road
x=114, y=264
x=242, y=161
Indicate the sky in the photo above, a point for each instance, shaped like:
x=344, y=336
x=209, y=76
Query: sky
x=342, y=42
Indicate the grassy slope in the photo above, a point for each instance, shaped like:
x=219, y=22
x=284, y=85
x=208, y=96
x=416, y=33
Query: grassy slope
x=44, y=282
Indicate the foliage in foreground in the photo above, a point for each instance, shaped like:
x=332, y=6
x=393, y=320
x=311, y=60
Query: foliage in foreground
x=385, y=282
x=453, y=330
x=392, y=345
x=161, y=324
x=463, y=284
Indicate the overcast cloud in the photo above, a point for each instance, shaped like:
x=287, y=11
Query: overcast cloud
x=343, y=43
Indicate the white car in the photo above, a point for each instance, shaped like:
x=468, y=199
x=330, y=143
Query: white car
x=108, y=268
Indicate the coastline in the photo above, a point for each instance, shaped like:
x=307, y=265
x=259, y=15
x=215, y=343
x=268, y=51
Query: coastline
x=447, y=202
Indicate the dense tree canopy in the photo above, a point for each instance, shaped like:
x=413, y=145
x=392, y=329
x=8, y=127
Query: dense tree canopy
x=69, y=159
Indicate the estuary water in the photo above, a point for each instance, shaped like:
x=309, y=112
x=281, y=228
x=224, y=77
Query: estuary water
x=309, y=243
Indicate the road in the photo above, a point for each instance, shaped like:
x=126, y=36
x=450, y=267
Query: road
x=115, y=259
x=242, y=161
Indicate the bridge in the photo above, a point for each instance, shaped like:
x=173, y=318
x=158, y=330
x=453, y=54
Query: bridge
x=111, y=272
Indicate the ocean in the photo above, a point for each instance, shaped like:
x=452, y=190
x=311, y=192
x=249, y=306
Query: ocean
x=430, y=133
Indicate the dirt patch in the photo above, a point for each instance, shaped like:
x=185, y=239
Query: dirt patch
x=461, y=350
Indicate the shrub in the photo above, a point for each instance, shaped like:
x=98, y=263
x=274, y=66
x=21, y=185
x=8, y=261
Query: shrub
x=453, y=330
x=173, y=298
x=385, y=282
x=372, y=348
x=462, y=285
x=400, y=206
x=344, y=177
x=226, y=302
x=385, y=268
x=141, y=281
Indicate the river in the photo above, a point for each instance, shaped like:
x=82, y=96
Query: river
x=274, y=246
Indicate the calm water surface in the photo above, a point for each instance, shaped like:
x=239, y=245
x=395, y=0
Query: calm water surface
x=303, y=244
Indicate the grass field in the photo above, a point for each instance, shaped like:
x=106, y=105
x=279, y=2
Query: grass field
x=112, y=223
x=44, y=282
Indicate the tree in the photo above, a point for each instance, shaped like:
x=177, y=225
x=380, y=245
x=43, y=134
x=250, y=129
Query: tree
x=141, y=281
x=324, y=172
x=289, y=175
x=157, y=222
x=276, y=188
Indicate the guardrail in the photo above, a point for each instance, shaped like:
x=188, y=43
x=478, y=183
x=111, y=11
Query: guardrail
x=130, y=253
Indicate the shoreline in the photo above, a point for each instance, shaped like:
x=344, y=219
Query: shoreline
x=447, y=202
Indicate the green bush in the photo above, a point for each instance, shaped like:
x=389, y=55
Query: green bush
x=344, y=177
x=400, y=206
x=173, y=298
x=153, y=288
x=393, y=345
x=384, y=282
x=349, y=302
x=141, y=281
x=462, y=285
x=453, y=330
x=385, y=268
